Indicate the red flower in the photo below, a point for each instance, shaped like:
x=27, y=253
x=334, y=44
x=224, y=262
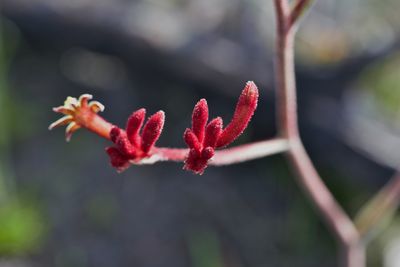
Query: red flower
x=130, y=145
x=203, y=138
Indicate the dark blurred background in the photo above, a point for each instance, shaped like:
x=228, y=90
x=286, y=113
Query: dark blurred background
x=63, y=205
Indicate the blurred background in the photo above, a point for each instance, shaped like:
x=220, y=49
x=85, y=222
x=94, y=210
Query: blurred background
x=63, y=205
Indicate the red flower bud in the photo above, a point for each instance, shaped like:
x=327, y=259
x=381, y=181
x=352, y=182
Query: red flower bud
x=195, y=162
x=152, y=131
x=133, y=126
x=202, y=140
x=117, y=159
x=191, y=139
x=245, y=108
x=199, y=119
x=208, y=153
x=213, y=131
x=120, y=139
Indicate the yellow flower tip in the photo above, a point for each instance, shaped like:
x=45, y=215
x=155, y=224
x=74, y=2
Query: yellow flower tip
x=96, y=106
x=83, y=99
x=71, y=128
x=71, y=102
x=61, y=122
x=63, y=110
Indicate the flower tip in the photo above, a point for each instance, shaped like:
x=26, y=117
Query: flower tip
x=200, y=118
x=71, y=102
x=202, y=102
x=52, y=126
x=140, y=112
x=85, y=96
x=71, y=128
x=83, y=99
x=250, y=91
x=96, y=106
x=213, y=131
x=152, y=130
x=191, y=139
x=160, y=115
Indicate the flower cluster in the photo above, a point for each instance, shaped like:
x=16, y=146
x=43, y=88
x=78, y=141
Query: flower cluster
x=130, y=145
x=135, y=146
x=203, y=138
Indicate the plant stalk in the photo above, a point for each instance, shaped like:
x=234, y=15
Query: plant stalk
x=307, y=176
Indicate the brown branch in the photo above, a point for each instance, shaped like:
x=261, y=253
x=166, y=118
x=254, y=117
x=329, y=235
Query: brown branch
x=340, y=224
x=307, y=176
x=284, y=73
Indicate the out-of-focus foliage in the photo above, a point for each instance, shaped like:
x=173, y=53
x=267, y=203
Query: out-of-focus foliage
x=382, y=80
x=22, y=228
x=22, y=224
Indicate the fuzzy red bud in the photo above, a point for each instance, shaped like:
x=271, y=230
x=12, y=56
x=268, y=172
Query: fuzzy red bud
x=213, y=131
x=207, y=153
x=196, y=162
x=191, y=139
x=152, y=130
x=117, y=159
x=120, y=139
x=133, y=126
x=245, y=108
x=199, y=119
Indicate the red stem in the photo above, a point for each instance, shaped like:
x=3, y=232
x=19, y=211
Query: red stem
x=249, y=152
x=226, y=156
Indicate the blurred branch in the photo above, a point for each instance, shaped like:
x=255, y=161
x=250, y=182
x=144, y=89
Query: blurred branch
x=353, y=253
x=379, y=211
x=299, y=9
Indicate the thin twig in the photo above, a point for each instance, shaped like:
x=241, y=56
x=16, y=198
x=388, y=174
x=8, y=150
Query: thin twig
x=321, y=197
x=298, y=10
x=379, y=210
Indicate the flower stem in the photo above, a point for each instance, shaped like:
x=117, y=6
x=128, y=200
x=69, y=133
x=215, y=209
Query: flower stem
x=226, y=156
x=249, y=151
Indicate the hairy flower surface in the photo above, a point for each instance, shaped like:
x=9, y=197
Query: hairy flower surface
x=202, y=139
x=129, y=145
